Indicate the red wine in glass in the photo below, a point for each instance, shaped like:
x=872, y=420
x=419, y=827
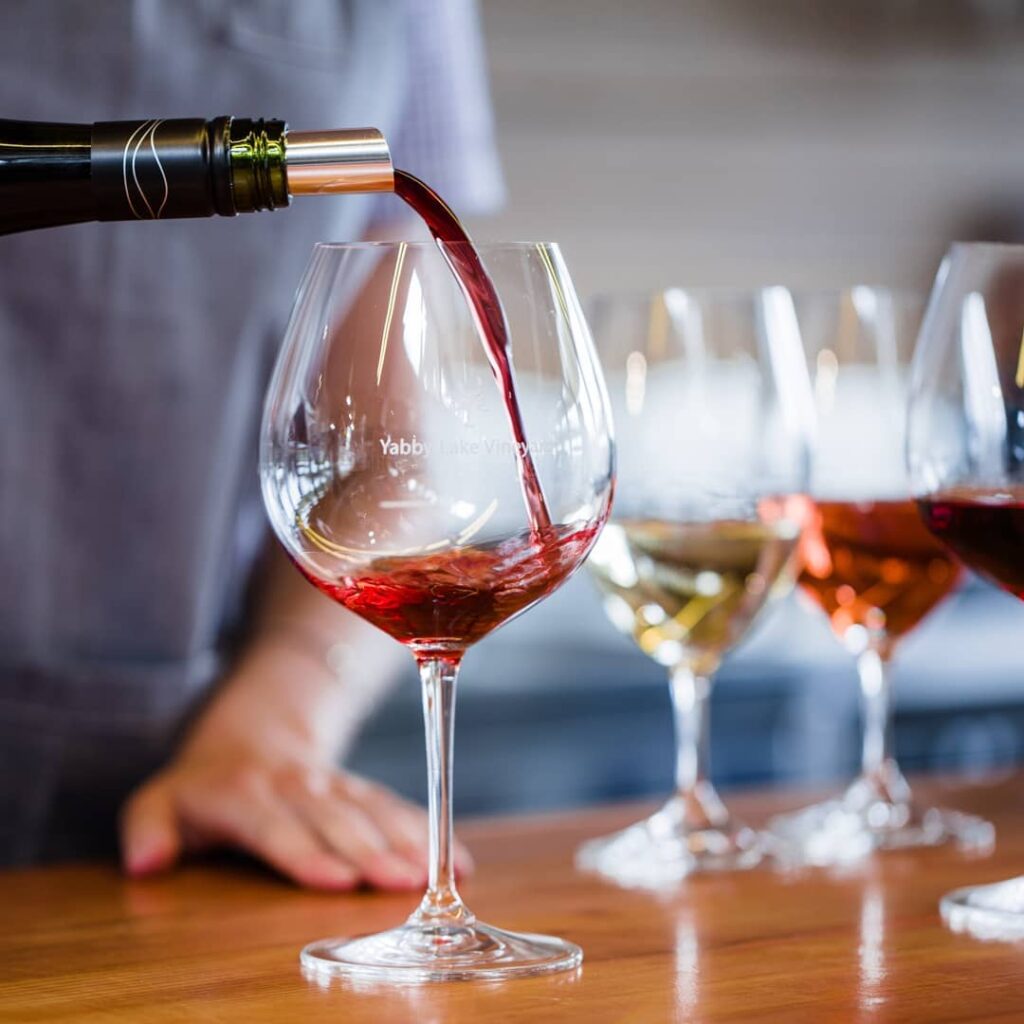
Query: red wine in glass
x=985, y=528
x=489, y=317
x=454, y=598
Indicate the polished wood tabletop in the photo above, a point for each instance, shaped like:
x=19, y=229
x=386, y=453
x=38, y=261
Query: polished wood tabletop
x=219, y=941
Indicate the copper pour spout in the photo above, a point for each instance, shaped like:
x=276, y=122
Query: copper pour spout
x=344, y=160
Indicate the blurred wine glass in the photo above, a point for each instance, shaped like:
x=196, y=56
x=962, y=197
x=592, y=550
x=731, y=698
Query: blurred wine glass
x=868, y=562
x=965, y=450
x=712, y=410
x=391, y=477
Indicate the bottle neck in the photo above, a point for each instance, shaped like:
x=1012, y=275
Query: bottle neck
x=161, y=169
x=52, y=174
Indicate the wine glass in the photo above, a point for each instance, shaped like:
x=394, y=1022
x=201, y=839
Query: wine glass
x=868, y=562
x=391, y=478
x=712, y=407
x=965, y=449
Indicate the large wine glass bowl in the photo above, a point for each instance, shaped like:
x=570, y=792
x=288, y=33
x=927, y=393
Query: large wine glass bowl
x=711, y=403
x=868, y=562
x=965, y=451
x=393, y=479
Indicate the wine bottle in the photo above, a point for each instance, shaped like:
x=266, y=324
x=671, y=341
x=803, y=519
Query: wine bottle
x=53, y=174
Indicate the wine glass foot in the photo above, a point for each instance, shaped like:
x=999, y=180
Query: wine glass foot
x=844, y=830
x=417, y=953
x=664, y=849
x=987, y=911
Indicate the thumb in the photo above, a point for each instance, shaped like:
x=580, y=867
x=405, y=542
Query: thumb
x=150, y=838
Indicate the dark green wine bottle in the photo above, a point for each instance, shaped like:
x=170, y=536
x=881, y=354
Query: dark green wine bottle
x=54, y=174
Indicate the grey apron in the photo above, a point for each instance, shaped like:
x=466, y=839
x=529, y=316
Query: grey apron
x=132, y=364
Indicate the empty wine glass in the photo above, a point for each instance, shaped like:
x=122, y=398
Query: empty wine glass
x=965, y=449
x=868, y=562
x=712, y=409
x=391, y=477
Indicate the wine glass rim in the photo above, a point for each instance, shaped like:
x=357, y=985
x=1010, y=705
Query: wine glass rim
x=430, y=244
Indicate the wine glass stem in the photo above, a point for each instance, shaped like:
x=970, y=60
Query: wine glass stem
x=873, y=670
x=441, y=904
x=690, y=711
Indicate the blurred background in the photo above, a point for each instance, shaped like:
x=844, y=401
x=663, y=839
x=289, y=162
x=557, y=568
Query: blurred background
x=740, y=142
x=734, y=142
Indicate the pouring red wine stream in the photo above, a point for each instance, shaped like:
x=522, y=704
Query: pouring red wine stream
x=465, y=263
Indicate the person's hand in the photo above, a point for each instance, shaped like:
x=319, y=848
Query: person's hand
x=323, y=828
x=252, y=777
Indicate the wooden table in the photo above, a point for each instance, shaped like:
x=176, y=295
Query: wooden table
x=219, y=942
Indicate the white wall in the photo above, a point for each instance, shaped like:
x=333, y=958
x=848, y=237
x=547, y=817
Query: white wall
x=744, y=141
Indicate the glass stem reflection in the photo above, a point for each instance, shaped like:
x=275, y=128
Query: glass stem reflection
x=441, y=904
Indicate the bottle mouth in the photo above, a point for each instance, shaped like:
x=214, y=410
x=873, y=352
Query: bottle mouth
x=255, y=150
x=343, y=160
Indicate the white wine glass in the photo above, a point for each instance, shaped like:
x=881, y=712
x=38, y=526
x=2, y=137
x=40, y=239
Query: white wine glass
x=712, y=408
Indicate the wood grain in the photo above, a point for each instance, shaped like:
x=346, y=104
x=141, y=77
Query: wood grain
x=219, y=942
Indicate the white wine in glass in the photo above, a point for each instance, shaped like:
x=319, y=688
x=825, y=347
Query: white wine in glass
x=694, y=585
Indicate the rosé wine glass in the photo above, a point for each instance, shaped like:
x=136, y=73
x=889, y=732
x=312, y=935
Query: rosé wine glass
x=869, y=564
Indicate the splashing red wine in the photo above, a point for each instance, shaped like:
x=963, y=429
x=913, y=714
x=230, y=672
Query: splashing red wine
x=465, y=263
